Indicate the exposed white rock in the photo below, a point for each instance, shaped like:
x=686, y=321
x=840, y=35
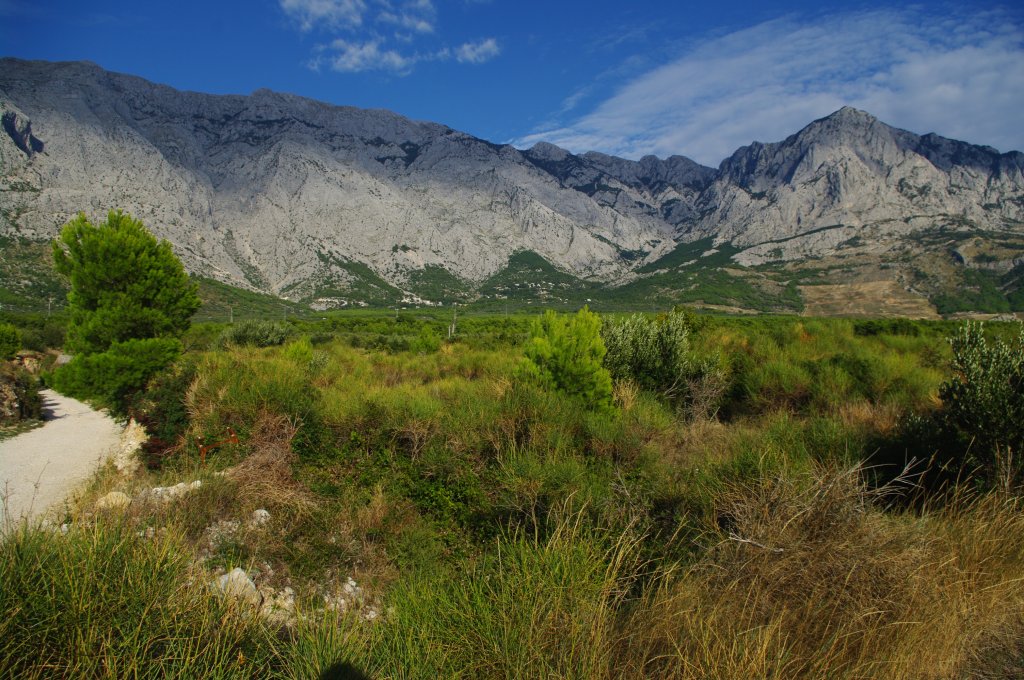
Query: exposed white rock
x=279, y=605
x=115, y=500
x=259, y=518
x=132, y=438
x=237, y=585
x=167, y=493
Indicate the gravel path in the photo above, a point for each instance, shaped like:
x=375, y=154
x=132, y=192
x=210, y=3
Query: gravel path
x=40, y=468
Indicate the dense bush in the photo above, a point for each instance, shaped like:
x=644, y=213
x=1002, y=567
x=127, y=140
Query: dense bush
x=566, y=353
x=984, y=400
x=10, y=341
x=161, y=409
x=655, y=354
x=254, y=332
x=111, y=377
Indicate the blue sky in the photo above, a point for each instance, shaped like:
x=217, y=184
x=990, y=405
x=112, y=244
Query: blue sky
x=628, y=78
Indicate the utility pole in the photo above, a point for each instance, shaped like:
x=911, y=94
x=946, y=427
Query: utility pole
x=455, y=318
x=49, y=302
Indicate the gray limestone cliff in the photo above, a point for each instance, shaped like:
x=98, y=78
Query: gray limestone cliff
x=288, y=195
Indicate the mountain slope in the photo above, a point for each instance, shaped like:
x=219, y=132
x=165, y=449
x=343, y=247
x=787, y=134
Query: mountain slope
x=335, y=205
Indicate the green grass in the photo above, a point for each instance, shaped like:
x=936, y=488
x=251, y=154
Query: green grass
x=222, y=302
x=501, y=529
x=101, y=602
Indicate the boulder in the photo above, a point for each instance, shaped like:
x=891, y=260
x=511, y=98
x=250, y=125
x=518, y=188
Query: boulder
x=115, y=500
x=237, y=585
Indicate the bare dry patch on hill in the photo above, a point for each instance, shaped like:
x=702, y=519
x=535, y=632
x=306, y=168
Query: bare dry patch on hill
x=868, y=298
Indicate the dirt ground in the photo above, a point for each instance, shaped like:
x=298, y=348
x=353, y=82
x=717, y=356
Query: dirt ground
x=42, y=467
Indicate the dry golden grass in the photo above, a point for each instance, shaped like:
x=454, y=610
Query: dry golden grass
x=811, y=580
x=865, y=416
x=265, y=478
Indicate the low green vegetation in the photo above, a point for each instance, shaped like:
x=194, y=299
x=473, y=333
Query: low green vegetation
x=10, y=341
x=557, y=495
x=253, y=332
x=223, y=303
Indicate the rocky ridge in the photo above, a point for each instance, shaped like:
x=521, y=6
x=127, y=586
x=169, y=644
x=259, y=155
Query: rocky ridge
x=287, y=195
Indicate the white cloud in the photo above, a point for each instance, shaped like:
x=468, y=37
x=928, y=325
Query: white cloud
x=379, y=35
x=330, y=13
x=417, y=16
x=351, y=57
x=959, y=76
x=477, y=52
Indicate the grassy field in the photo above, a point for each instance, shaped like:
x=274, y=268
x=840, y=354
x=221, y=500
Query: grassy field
x=764, y=526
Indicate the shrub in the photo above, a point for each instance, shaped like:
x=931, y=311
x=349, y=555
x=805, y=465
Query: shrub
x=651, y=352
x=255, y=332
x=426, y=342
x=655, y=354
x=112, y=377
x=10, y=341
x=161, y=409
x=565, y=353
x=984, y=400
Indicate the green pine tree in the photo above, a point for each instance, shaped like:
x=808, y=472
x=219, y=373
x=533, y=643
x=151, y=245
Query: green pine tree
x=566, y=353
x=125, y=285
x=130, y=302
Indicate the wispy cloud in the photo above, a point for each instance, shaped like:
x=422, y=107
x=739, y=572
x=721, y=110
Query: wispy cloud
x=379, y=35
x=478, y=52
x=310, y=14
x=418, y=16
x=961, y=76
x=351, y=57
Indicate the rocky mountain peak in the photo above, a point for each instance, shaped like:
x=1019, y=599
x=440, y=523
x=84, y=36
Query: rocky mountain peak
x=548, y=152
x=297, y=197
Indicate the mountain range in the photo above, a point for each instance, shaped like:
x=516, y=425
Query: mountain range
x=335, y=206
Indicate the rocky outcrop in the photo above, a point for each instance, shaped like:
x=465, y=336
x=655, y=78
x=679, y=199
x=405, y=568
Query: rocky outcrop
x=850, y=175
x=291, y=196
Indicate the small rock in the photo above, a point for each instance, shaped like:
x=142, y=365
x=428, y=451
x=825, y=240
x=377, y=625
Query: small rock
x=132, y=439
x=237, y=585
x=279, y=606
x=115, y=500
x=259, y=518
x=335, y=603
x=166, y=493
x=370, y=614
x=221, y=531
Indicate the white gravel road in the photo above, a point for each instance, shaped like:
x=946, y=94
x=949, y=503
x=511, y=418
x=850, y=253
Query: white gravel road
x=42, y=467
